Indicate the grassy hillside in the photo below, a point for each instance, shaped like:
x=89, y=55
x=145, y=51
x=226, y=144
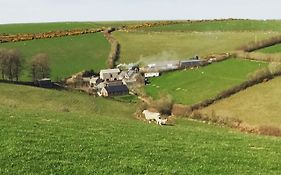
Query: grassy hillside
x=258, y=105
x=193, y=86
x=227, y=25
x=68, y=55
x=136, y=46
x=37, y=136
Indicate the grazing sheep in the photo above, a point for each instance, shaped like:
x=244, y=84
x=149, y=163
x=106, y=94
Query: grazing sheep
x=161, y=121
x=150, y=116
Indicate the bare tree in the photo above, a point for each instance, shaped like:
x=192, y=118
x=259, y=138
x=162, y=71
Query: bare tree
x=3, y=59
x=40, y=66
x=11, y=64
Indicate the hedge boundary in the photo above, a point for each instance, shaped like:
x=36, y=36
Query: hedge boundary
x=114, y=54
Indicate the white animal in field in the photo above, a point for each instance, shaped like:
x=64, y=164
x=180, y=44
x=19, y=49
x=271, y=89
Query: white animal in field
x=161, y=121
x=150, y=116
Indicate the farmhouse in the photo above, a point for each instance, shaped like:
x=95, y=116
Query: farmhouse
x=109, y=74
x=114, y=90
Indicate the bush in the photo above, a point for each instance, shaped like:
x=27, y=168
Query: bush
x=164, y=104
x=269, y=130
x=261, y=44
x=181, y=110
x=258, y=56
x=261, y=73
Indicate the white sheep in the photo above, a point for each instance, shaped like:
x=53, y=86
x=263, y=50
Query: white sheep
x=161, y=121
x=150, y=116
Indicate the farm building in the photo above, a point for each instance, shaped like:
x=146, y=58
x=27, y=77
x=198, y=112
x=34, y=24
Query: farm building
x=44, y=83
x=114, y=90
x=190, y=63
x=109, y=74
x=94, y=81
x=163, y=66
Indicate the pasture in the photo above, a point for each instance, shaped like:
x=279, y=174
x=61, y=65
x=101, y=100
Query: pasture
x=68, y=55
x=226, y=25
x=257, y=105
x=147, y=46
x=44, y=27
x=57, y=132
x=195, y=85
x=22, y=28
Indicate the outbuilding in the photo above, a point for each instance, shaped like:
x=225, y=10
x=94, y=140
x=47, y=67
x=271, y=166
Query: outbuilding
x=109, y=74
x=114, y=90
x=190, y=63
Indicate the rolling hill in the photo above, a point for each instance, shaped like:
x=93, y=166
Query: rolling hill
x=58, y=132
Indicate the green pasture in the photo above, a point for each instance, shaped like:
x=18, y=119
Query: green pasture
x=257, y=105
x=68, y=55
x=147, y=46
x=57, y=132
x=227, y=25
x=195, y=85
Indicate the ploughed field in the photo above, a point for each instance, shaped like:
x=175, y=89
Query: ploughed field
x=145, y=46
x=68, y=55
x=58, y=132
x=195, y=85
x=258, y=105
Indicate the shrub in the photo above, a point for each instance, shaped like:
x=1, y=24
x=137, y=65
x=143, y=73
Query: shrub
x=269, y=130
x=164, y=104
x=260, y=73
x=181, y=110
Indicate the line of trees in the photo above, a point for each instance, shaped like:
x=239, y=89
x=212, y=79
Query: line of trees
x=12, y=65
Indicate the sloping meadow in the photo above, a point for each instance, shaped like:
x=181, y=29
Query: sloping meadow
x=68, y=55
x=52, y=132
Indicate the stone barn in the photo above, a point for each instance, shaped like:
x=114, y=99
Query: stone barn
x=114, y=90
x=109, y=74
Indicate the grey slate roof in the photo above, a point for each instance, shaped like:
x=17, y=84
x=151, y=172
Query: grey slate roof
x=117, y=89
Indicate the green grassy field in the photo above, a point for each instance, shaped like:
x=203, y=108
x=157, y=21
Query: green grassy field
x=68, y=55
x=45, y=27
x=52, y=132
x=228, y=25
x=143, y=46
x=58, y=26
x=258, y=105
x=195, y=85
